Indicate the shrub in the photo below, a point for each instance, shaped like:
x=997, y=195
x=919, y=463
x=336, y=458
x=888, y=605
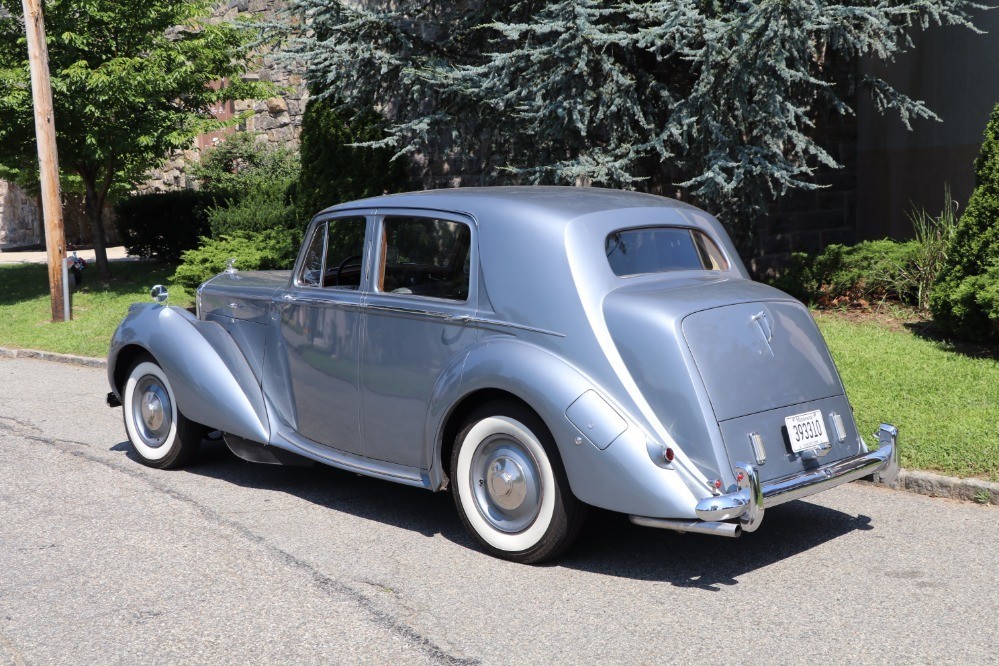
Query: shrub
x=333, y=171
x=251, y=179
x=269, y=249
x=240, y=162
x=964, y=299
x=840, y=274
x=265, y=206
x=164, y=225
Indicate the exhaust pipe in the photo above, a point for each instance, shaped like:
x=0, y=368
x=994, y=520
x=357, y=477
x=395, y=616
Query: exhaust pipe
x=700, y=527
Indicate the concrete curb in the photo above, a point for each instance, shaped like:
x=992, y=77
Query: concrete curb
x=913, y=481
x=85, y=361
x=938, y=485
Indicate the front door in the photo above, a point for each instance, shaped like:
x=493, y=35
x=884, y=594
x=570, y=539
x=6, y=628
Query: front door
x=319, y=331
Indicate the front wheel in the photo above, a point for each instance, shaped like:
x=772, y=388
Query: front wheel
x=510, y=487
x=162, y=436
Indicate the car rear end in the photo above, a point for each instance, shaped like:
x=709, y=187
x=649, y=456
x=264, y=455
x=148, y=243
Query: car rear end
x=736, y=373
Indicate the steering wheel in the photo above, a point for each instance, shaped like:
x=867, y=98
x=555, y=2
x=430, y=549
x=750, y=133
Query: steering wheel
x=343, y=264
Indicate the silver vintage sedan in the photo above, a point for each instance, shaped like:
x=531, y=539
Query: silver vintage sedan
x=534, y=350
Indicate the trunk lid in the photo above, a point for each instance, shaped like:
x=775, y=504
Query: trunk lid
x=759, y=356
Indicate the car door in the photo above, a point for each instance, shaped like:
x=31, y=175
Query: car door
x=318, y=333
x=422, y=284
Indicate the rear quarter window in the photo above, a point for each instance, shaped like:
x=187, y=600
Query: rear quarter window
x=662, y=249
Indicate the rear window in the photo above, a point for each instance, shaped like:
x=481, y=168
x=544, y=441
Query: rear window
x=661, y=249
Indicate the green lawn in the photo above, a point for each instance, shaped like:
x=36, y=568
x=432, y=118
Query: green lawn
x=26, y=312
x=945, y=404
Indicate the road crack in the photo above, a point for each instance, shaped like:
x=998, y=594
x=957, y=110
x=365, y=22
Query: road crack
x=326, y=584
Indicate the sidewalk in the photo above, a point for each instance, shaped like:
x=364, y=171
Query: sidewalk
x=116, y=253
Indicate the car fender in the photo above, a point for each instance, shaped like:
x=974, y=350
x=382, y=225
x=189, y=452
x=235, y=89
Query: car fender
x=618, y=475
x=210, y=377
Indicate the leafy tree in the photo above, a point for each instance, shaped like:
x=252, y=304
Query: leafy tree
x=720, y=97
x=965, y=299
x=130, y=83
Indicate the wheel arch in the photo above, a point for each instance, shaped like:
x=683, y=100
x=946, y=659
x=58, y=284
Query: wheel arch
x=123, y=361
x=459, y=414
x=505, y=368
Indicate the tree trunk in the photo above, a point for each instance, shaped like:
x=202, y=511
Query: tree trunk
x=94, y=205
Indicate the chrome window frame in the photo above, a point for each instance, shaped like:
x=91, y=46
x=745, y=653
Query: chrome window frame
x=473, y=252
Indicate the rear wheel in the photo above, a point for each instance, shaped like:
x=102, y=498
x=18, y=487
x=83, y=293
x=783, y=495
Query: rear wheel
x=162, y=436
x=510, y=487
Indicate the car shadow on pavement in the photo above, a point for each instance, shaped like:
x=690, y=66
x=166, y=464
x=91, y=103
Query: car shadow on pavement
x=609, y=544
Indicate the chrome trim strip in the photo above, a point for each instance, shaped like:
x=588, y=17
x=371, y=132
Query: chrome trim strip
x=458, y=319
x=509, y=324
x=749, y=501
x=410, y=311
x=716, y=529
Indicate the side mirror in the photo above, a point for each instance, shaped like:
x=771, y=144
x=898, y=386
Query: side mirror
x=159, y=293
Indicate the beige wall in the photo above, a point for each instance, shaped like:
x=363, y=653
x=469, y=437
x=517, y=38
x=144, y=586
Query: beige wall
x=956, y=73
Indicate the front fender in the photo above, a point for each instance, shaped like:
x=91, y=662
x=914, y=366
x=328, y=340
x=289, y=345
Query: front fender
x=211, y=379
x=619, y=476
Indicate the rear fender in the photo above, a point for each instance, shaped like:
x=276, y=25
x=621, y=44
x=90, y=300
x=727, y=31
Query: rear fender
x=618, y=475
x=211, y=379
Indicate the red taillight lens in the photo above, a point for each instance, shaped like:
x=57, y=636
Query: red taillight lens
x=668, y=454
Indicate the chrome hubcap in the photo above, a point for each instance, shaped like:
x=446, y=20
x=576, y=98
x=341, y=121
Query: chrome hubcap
x=152, y=411
x=506, y=483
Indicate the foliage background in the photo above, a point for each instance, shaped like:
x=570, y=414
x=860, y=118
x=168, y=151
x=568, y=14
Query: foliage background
x=714, y=99
x=130, y=83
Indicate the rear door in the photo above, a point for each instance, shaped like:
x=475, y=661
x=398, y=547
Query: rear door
x=422, y=284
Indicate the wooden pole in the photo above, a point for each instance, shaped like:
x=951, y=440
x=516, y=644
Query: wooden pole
x=48, y=157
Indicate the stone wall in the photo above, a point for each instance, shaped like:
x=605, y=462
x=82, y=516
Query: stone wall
x=19, y=223
x=276, y=122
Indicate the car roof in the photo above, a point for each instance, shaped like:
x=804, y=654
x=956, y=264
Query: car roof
x=509, y=203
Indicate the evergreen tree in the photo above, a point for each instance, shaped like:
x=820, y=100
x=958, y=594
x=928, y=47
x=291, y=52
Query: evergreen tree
x=716, y=96
x=965, y=298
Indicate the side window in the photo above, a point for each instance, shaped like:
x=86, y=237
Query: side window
x=425, y=257
x=313, y=267
x=341, y=263
x=344, y=253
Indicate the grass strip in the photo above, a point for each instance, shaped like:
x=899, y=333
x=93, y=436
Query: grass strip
x=98, y=306
x=945, y=404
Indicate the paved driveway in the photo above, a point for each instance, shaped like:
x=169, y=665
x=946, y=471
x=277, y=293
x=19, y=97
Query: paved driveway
x=105, y=561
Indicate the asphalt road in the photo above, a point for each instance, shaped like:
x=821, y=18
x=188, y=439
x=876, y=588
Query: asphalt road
x=103, y=560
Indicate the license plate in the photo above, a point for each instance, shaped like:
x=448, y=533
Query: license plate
x=807, y=431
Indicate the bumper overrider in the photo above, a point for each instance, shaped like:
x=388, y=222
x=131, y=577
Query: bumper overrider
x=748, y=503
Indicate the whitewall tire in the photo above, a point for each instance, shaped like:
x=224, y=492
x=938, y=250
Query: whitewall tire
x=510, y=487
x=160, y=434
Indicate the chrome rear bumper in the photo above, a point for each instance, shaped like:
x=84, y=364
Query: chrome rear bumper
x=747, y=503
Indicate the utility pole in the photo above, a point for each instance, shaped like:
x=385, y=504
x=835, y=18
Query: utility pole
x=48, y=157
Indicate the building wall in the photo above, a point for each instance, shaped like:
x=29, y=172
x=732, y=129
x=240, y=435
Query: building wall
x=19, y=223
x=956, y=73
